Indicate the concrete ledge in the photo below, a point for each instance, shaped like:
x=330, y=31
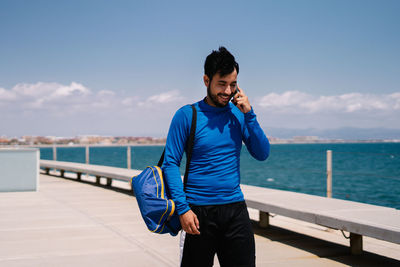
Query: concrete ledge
x=357, y=218
x=96, y=170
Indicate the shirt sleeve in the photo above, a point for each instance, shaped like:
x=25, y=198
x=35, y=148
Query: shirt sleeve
x=254, y=137
x=176, y=142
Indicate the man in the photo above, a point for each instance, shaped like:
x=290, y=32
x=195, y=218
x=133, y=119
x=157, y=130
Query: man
x=211, y=209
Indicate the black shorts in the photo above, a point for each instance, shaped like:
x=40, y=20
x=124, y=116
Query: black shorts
x=225, y=230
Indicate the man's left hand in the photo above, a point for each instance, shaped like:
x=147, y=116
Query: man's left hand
x=241, y=101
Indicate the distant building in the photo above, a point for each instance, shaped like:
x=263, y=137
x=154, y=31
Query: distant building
x=4, y=141
x=305, y=138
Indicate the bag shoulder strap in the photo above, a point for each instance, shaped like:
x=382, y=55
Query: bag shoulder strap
x=190, y=143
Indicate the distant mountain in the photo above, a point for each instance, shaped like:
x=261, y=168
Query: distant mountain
x=346, y=133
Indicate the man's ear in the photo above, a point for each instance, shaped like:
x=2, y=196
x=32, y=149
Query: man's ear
x=206, y=80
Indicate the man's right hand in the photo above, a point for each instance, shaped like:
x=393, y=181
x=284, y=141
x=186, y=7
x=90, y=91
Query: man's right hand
x=190, y=223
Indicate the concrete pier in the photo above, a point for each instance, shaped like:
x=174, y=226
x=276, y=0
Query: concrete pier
x=77, y=223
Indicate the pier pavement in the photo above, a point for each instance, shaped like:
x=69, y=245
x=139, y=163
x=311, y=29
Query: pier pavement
x=70, y=223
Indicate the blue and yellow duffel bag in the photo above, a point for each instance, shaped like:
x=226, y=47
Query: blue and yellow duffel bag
x=152, y=194
x=156, y=207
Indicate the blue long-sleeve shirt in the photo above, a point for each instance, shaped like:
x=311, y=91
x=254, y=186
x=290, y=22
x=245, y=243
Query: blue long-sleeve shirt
x=214, y=173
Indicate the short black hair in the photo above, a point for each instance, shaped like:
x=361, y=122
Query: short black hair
x=221, y=62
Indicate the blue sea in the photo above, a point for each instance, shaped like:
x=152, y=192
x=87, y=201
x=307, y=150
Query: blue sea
x=363, y=172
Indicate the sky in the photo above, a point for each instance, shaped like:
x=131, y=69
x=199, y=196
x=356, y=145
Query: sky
x=71, y=68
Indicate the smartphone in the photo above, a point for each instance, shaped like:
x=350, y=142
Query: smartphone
x=236, y=90
x=234, y=93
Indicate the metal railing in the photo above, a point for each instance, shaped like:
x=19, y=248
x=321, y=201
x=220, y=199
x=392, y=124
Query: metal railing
x=336, y=173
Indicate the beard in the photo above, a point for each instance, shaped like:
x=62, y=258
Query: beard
x=214, y=98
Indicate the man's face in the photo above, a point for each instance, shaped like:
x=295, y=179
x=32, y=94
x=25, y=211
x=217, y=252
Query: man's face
x=221, y=88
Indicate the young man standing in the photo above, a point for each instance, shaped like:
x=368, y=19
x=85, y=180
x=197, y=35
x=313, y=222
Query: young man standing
x=212, y=209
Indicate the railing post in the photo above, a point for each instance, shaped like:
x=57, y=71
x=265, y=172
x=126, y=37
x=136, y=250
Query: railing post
x=87, y=160
x=128, y=157
x=264, y=219
x=87, y=154
x=356, y=244
x=329, y=173
x=54, y=152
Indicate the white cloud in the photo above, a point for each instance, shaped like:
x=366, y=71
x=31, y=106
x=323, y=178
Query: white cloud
x=285, y=100
x=130, y=101
x=59, y=109
x=105, y=93
x=49, y=90
x=6, y=95
x=75, y=89
x=44, y=108
x=396, y=99
x=76, y=97
x=163, y=98
x=43, y=95
x=298, y=102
